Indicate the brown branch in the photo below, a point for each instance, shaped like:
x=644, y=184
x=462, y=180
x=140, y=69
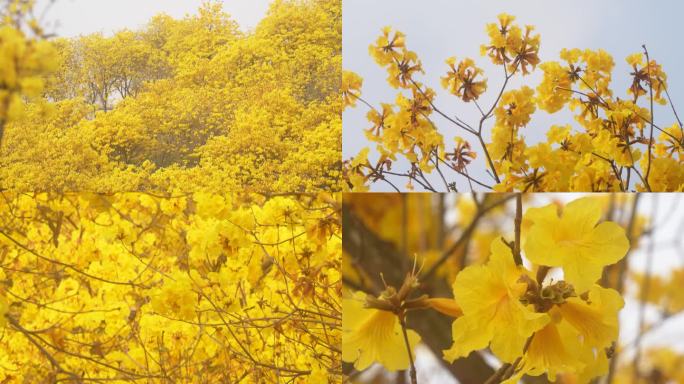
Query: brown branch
x=650, y=140
x=518, y=221
x=412, y=371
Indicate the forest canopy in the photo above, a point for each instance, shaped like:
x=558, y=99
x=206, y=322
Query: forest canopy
x=179, y=102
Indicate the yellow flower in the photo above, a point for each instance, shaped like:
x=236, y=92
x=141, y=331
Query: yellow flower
x=448, y=307
x=351, y=88
x=386, y=47
x=508, y=45
x=461, y=80
x=595, y=319
x=489, y=296
x=551, y=351
x=516, y=107
x=667, y=174
x=651, y=75
x=575, y=339
x=598, y=71
x=558, y=133
x=371, y=335
x=23, y=61
x=554, y=90
x=400, y=72
x=361, y=158
x=635, y=59
x=671, y=142
x=574, y=241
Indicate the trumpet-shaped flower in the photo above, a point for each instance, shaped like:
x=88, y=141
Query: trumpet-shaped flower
x=489, y=296
x=371, y=335
x=462, y=80
x=351, y=88
x=575, y=339
x=574, y=242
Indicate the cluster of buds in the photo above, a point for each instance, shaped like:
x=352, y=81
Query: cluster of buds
x=545, y=297
x=400, y=302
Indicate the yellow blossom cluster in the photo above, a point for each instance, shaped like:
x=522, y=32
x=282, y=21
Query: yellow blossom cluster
x=403, y=129
x=613, y=144
x=461, y=80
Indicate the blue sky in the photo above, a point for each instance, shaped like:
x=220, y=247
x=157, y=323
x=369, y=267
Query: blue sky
x=437, y=29
x=75, y=17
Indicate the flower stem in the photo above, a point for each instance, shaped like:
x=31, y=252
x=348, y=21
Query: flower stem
x=412, y=371
x=650, y=140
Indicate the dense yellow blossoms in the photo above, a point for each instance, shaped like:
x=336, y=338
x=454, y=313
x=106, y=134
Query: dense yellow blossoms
x=189, y=104
x=191, y=288
x=25, y=59
x=613, y=144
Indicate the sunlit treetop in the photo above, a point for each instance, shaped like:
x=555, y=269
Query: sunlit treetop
x=179, y=104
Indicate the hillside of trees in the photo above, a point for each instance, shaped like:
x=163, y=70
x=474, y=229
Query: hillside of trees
x=178, y=105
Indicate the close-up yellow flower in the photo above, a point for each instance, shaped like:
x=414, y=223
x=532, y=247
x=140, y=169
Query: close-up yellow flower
x=574, y=241
x=373, y=336
x=489, y=287
x=576, y=338
x=489, y=296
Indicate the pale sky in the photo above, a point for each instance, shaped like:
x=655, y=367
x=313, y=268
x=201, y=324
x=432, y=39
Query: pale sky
x=438, y=29
x=68, y=18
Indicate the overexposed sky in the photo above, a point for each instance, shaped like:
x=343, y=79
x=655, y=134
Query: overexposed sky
x=68, y=18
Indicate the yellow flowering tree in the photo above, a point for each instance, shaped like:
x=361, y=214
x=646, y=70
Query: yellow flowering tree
x=194, y=288
x=535, y=288
x=614, y=143
x=187, y=104
x=25, y=59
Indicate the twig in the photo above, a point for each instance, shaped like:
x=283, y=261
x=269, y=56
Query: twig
x=465, y=235
x=650, y=140
x=518, y=221
x=412, y=371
